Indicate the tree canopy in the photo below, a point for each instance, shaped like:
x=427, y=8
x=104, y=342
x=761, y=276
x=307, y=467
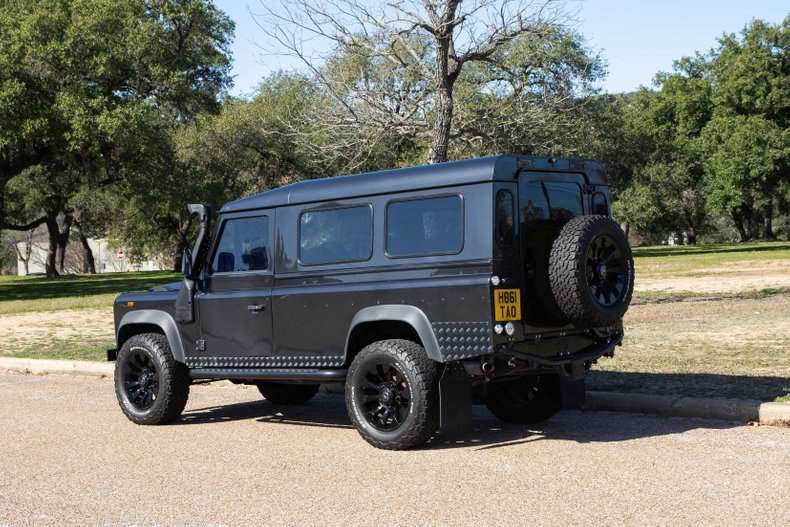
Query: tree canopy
x=89, y=92
x=115, y=113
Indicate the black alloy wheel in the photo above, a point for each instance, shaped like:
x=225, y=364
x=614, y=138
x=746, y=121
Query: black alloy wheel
x=151, y=386
x=140, y=378
x=606, y=271
x=524, y=400
x=384, y=394
x=392, y=394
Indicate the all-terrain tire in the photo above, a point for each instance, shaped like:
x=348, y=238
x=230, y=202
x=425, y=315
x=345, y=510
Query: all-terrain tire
x=524, y=400
x=571, y=275
x=172, y=378
x=422, y=377
x=282, y=393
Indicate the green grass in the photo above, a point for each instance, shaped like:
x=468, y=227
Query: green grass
x=691, y=260
x=24, y=294
x=66, y=349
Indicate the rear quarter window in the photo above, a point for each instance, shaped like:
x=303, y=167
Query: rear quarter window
x=336, y=235
x=425, y=227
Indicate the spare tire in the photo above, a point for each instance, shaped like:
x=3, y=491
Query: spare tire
x=591, y=271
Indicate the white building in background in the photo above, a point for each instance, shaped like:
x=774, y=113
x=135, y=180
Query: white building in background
x=107, y=259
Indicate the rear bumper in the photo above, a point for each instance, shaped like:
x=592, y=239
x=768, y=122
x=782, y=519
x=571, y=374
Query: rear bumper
x=590, y=353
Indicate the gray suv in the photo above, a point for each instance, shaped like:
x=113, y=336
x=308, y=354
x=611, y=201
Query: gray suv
x=501, y=279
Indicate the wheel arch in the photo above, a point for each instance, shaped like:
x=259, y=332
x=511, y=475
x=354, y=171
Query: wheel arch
x=151, y=321
x=390, y=321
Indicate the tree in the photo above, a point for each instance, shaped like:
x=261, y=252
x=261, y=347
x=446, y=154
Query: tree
x=746, y=159
x=394, y=70
x=99, y=79
x=665, y=126
x=751, y=73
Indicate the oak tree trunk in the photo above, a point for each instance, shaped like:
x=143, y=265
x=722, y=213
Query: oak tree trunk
x=88, y=261
x=768, y=221
x=64, y=233
x=441, y=128
x=53, y=232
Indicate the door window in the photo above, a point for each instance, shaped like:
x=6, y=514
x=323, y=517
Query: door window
x=243, y=246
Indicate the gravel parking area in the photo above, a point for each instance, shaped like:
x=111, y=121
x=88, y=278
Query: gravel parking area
x=70, y=457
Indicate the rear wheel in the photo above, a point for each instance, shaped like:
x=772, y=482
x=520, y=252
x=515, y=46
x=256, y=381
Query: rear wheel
x=392, y=394
x=151, y=386
x=524, y=400
x=279, y=393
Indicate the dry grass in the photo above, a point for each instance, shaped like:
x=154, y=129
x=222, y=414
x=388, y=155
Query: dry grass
x=714, y=348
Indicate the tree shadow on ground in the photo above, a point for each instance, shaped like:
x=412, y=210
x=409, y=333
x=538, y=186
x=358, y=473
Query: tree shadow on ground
x=679, y=250
x=760, y=388
x=82, y=285
x=487, y=432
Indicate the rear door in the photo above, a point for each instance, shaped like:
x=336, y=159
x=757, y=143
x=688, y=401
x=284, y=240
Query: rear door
x=547, y=200
x=235, y=301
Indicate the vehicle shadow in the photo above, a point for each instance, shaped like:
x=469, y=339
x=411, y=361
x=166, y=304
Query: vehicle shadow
x=692, y=250
x=487, y=432
x=322, y=411
x=762, y=388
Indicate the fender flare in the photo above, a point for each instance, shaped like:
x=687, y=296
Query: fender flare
x=158, y=318
x=411, y=315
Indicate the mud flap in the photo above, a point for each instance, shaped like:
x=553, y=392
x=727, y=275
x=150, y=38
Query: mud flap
x=572, y=386
x=455, y=400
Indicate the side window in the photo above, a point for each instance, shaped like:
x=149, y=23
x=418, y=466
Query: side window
x=424, y=227
x=565, y=199
x=336, y=235
x=599, y=205
x=243, y=246
x=504, y=217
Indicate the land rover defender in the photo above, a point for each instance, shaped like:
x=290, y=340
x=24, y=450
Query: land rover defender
x=420, y=289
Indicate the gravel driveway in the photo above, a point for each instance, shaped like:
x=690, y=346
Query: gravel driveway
x=70, y=457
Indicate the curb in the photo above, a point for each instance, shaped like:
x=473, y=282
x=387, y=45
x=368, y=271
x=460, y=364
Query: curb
x=44, y=366
x=724, y=409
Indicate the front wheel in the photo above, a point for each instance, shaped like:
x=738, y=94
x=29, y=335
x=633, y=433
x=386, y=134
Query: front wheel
x=524, y=400
x=392, y=394
x=151, y=386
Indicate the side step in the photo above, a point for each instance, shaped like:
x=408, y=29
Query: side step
x=271, y=374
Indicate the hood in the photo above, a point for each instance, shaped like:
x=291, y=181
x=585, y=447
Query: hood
x=172, y=286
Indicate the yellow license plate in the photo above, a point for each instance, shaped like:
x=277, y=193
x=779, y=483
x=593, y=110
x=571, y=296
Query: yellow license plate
x=507, y=304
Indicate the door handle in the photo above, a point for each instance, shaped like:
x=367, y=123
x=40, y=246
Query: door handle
x=256, y=308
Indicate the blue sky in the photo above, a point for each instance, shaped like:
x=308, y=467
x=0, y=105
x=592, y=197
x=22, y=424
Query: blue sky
x=637, y=37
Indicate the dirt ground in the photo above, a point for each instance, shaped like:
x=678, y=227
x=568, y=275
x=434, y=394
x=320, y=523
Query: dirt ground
x=45, y=328
x=728, y=278
x=734, y=348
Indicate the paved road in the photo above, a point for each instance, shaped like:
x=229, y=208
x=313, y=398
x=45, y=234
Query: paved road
x=70, y=457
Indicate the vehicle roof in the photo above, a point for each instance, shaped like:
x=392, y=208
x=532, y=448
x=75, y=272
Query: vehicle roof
x=483, y=169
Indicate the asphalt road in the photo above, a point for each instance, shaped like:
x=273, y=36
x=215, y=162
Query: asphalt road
x=70, y=457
